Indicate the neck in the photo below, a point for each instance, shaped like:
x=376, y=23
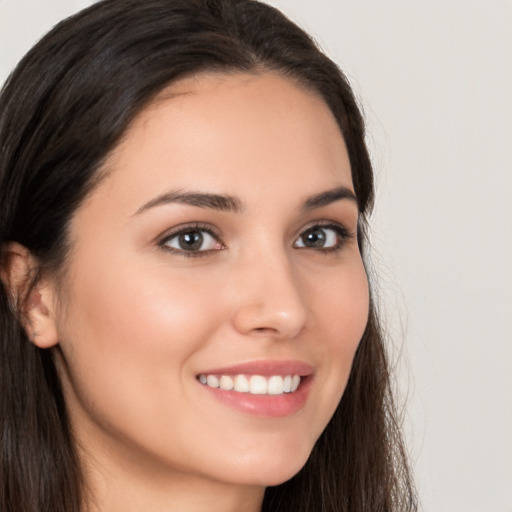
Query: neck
x=128, y=492
x=119, y=486
x=186, y=496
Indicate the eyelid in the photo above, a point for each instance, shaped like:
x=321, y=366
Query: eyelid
x=183, y=228
x=327, y=224
x=342, y=232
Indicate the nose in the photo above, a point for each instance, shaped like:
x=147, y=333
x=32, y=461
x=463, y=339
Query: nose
x=270, y=301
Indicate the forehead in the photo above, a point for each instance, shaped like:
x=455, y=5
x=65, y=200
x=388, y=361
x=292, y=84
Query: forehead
x=237, y=134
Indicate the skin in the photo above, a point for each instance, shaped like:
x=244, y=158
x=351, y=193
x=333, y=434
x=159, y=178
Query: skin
x=133, y=323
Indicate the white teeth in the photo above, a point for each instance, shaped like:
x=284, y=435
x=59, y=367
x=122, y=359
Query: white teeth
x=226, y=383
x=241, y=384
x=275, y=385
x=255, y=384
x=212, y=381
x=258, y=385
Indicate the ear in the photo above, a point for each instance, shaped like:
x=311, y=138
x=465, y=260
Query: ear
x=36, y=303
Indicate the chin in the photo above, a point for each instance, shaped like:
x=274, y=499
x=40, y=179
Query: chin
x=281, y=476
x=272, y=469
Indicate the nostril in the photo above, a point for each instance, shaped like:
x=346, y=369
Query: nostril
x=265, y=330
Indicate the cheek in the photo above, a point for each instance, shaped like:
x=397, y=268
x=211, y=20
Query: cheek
x=341, y=307
x=128, y=337
x=142, y=310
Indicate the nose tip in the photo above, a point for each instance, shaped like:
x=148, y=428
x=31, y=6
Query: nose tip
x=262, y=320
x=271, y=306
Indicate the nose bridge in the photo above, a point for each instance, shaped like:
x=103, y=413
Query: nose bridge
x=270, y=296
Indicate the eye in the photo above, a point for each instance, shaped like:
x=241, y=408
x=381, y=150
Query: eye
x=191, y=240
x=329, y=237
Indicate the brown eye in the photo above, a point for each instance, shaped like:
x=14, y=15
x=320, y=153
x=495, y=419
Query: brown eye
x=315, y=237
x=192, y=240
x=322, y=237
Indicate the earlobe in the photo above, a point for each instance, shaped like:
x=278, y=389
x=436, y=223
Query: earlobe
x=35, y=302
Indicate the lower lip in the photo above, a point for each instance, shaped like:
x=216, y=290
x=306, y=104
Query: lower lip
x=266, y=406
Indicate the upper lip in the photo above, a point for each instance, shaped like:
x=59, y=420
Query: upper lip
x=264, y=368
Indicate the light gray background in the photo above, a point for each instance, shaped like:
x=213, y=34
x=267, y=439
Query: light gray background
x=435, y=80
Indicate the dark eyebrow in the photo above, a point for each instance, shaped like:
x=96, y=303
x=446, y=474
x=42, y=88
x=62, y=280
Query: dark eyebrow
x=199, y=199
x=233, y=204
x=328, y=197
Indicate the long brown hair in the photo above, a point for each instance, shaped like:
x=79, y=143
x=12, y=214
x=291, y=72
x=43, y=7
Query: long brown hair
x=62, y=111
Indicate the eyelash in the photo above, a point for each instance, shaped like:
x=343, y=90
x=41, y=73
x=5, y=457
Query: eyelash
x=190, y=228
x=342, y=234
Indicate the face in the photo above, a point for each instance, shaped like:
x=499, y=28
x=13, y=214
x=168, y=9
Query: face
x=219, y=252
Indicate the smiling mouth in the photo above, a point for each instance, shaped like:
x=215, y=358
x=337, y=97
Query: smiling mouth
x=252, y=384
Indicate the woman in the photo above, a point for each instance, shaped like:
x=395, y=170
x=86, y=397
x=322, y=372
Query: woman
x=185, y=314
